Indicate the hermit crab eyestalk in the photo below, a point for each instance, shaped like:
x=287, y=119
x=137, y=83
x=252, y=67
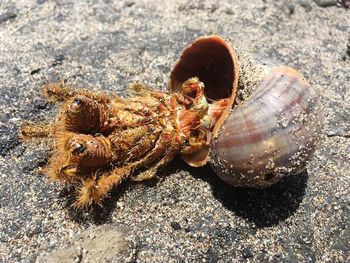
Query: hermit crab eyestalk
x=84, y=151
x=78, y=148
x=77, y=155
x=85, y=115
x=76, y=104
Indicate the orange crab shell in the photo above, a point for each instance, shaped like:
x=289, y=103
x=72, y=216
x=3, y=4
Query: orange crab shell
x=215, y=63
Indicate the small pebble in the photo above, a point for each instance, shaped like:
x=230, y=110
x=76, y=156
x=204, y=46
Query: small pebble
x=326, y=3
x=229, y=11
x=7, y=16
x=35, y=71
x=58, y=60
x=40, y=104
x=346, y=3
x=348, y=48
x=129, y=3
x=306, y=5
x=175, y=226
x=289, y=9
x=247, y=252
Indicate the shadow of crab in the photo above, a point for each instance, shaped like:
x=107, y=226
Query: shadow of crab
x=99, y=214
x=263, y=207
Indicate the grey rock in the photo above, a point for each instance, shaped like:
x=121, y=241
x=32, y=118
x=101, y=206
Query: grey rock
x=109, y=243
x=306, y=4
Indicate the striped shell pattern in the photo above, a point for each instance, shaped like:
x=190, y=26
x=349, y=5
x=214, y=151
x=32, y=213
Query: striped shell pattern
x=271, y=129
x=270, y=135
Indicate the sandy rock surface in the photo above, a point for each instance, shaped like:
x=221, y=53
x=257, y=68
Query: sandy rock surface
x=185, y=214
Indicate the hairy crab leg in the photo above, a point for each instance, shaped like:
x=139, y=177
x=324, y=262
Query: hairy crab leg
x=143, y=146
x=95, y=189
x=59, y=92
x=31, y=130
x=161, y=153
x=152, y=171
x=128, y=140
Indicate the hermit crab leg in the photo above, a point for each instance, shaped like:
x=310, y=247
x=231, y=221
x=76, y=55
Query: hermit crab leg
x=89, y=113
x=120, y=118
x=161, y=154
x=95, y=189
x=31, y=130
x=143, y=146
x=152, y=171
x=59, y=92
x=83, y=112
x=143, y=106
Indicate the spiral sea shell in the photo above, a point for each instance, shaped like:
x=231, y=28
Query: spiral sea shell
x=272, y=128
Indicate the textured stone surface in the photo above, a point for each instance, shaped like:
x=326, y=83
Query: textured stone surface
x=185, y=214
x=108, y=243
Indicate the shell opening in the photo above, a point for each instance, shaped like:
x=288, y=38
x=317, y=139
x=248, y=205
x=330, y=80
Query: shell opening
x=213, y=61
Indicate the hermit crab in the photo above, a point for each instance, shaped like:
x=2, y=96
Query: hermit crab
x=253, y=122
